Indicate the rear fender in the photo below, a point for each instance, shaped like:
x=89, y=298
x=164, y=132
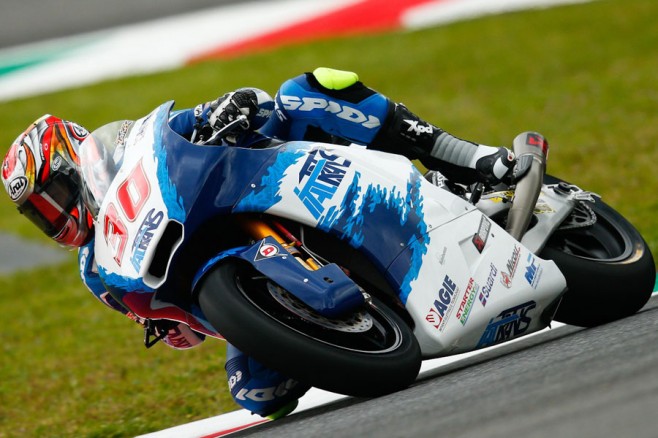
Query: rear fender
x=328, y=290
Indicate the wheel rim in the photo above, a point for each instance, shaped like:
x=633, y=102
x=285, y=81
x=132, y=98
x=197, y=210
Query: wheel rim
x=357, y=322
x=367, y=330
x=605, y=240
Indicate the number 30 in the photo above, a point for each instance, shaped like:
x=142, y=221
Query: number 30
x=132, y=195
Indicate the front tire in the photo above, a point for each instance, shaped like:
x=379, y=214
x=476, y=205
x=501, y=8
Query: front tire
x=369, y=353
x=609, y=268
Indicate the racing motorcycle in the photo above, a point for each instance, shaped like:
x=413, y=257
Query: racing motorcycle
x=344, y=267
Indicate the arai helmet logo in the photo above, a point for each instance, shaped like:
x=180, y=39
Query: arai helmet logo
x=17, y=187
x=57, y=162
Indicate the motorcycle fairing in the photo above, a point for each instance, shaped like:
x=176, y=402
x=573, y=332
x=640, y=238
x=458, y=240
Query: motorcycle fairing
x=327, y=290
x=376, y=202
x=495, y=292
x=140, y=202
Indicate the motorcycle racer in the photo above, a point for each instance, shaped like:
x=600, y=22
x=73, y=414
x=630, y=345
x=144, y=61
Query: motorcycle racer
x=41, y=175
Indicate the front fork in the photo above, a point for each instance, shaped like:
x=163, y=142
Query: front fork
x=327, y=288
x=260, y=228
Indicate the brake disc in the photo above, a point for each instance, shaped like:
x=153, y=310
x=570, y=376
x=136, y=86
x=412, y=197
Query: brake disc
x=357, y=322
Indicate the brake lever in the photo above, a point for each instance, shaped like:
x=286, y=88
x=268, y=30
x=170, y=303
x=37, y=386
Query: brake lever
x=476, y=194
x=239, y=120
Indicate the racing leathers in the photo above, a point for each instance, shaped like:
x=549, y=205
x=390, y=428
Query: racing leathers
x=326, y=105
x=253, y=386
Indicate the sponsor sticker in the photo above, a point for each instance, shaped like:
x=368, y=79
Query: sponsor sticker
x=506, y=277
x=485, y=292
x=466, y=304
x=144, y=236
x=533, y=271
x=508, y=324
x=443, y=305
x=57, y=162
x=537, y=140
x=543, y=207
x=267, y=251
x=442, y=256
x=321, y=175
x=480, y=238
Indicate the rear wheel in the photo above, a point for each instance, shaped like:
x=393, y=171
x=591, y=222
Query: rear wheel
x=366, y=353
x=609, y=269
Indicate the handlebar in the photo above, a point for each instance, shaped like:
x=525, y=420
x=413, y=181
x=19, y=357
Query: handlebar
x=531, y=150
x=240, y=121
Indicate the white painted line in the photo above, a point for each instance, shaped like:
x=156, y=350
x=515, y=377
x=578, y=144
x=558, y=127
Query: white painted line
x=168, y=43
x=225, y=424
x=433, y=14
x=242, y=419
x=148, y=47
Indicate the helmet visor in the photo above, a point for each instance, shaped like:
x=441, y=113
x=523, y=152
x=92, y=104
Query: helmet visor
x=50, y=206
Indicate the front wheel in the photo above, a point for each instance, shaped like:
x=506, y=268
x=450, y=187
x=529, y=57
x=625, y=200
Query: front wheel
x=367, y=353
x=609, y=269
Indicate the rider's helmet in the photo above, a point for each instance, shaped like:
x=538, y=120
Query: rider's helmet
x=41, y=174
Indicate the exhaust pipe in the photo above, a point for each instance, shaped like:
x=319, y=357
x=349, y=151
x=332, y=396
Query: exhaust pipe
x=531, y=150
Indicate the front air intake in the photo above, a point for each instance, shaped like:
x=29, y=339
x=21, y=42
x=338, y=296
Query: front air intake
x=167, y=245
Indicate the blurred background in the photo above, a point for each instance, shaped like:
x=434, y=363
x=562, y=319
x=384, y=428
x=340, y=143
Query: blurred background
x=581, y=72
x=28, y=21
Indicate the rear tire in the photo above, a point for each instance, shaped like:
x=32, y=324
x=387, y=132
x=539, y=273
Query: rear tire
x=609, y=268
x=344, y=355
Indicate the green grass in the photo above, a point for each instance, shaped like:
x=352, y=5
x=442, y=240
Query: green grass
x=583, y=75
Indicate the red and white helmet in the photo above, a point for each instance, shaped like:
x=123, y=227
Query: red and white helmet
x=41, y=174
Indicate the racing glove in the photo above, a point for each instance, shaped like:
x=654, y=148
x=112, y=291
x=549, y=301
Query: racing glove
x=229, y=107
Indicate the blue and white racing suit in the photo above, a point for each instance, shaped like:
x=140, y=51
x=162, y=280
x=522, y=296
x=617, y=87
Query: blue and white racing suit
x=331, y=106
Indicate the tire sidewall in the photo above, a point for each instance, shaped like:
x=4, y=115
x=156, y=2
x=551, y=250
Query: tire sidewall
x=602, y=291
x=299, y=356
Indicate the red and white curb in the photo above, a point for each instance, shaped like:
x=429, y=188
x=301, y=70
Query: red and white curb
x=231, y=30
x=226, y=424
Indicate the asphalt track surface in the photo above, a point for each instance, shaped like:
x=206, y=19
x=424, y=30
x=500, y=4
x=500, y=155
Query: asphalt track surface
x=569, y=382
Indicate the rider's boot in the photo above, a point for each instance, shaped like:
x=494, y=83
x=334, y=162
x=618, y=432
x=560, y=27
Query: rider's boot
x=405, y=133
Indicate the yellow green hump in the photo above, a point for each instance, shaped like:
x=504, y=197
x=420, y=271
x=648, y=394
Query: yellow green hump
x=335, y=79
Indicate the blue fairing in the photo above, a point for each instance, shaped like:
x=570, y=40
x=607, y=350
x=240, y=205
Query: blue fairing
x=221, y=180
x=266, y=192
x=364, y=229
x=387, y=216
x=327, y=290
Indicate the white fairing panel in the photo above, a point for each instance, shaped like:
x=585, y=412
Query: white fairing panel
x=478, y=286
x=133, y=213
x=468, y=284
